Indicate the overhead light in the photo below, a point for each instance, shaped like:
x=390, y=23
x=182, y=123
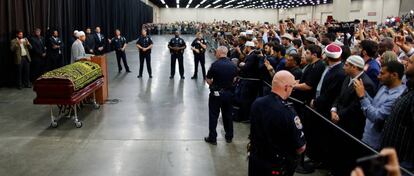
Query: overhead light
x=215, y=2
x=263, y=4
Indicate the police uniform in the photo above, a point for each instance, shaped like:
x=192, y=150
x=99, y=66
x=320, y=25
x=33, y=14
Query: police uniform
x=177, y=42
x=222, y=72
x=117, y=44
x=199, y=57
x=144, y=55
x=275, y=135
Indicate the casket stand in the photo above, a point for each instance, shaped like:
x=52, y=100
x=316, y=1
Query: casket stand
x=67, y=87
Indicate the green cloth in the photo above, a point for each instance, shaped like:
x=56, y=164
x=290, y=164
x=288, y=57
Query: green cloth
x=79, y=73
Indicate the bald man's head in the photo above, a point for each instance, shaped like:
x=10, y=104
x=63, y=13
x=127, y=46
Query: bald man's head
x=283, y=83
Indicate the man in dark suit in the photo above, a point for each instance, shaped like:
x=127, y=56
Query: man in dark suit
x=347, y=113
x=38, y=54
x=327, y=91
x=346, y=110
x=99, y=42
x=89, y=42
x=55, y=51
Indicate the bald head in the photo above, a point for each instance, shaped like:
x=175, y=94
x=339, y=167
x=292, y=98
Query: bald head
x=283, y=83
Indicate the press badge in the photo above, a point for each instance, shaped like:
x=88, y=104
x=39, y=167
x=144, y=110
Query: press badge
x=216, y=93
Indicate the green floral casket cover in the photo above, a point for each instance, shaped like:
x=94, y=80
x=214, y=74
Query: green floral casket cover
x=80, y=74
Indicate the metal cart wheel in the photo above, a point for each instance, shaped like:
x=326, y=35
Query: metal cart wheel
x=78, y=124
x=54, y=124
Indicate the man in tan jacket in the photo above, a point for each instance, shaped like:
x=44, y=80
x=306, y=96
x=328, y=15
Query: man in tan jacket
x=20, y=47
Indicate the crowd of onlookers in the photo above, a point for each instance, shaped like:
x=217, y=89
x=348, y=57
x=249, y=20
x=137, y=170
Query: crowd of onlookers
x=358, y=75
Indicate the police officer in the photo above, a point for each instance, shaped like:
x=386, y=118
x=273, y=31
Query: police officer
x=119, y=43
x=220, y=77
x=177, y=46
x=276, y=136
x=144, y=45
x=199, y=48
x=55, y=51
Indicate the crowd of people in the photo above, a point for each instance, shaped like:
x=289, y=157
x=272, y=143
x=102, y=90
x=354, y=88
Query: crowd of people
x=358, y=75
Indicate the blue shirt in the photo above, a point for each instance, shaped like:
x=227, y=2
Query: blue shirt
x=376, y=111
x=373, y=70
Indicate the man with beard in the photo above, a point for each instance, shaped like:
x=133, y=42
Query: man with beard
x=399, y=127
x=20, y=47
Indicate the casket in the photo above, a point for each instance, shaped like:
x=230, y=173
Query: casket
x=67, y=87
x=69, y=84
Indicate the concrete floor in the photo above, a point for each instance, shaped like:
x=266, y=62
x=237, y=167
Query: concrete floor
x=156, y=129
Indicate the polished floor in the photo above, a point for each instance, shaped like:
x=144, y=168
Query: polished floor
x=156, y=128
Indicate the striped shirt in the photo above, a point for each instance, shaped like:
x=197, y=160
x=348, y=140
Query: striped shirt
x=399, y=127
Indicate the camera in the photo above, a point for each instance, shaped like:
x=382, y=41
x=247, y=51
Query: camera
x=342, y=27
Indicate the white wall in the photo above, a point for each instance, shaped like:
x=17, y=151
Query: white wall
x=207, y=15
x=406, y=6
x=359, y=10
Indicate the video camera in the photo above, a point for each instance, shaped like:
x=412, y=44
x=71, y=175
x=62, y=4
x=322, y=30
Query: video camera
x=343, y=27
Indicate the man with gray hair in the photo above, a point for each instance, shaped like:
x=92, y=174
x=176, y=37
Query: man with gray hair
x=220, y=77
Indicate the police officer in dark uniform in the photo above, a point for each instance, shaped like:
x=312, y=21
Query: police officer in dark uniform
x=220, y=77
x=119, y=43
x=199, y=48
x=55, y=51
x=276, y=136
x=177, y=46
x=144, y=45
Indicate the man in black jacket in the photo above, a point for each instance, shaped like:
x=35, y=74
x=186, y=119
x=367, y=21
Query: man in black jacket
x=89, y=42
x=347, y=113
x=99, y=42
x=38, y=54
x=55, y=51
x=327, y=91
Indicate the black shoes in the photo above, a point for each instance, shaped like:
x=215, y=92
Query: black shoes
x=128, y=71
x=139, y=76
x=150, y=76
x=194, y=77
x=210, y=141
x=171, y=77
x=182, y=77
x=229, y=141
